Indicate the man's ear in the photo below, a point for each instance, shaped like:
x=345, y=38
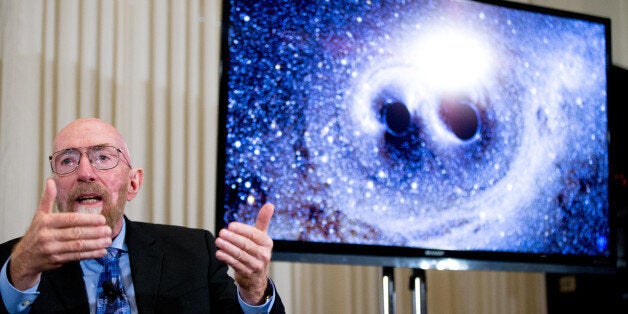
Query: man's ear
x=137, y=177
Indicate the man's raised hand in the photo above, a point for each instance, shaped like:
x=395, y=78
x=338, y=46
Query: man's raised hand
x=53, y=239
x=247, y=249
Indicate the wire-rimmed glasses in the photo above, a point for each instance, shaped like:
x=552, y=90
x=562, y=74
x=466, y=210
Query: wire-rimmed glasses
x=100, y=157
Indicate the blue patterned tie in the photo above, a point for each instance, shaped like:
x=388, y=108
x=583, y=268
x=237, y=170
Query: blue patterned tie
x=110, y=295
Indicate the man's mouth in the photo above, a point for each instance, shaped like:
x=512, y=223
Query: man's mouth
x=88, y=199
x=89, y=204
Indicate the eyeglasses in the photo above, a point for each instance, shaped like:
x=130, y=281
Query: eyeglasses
x=100, y=157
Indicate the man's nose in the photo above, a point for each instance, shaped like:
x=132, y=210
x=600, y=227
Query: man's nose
x=85, y=170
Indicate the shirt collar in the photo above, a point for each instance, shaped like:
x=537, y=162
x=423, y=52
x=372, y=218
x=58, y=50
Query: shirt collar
x=118, y=241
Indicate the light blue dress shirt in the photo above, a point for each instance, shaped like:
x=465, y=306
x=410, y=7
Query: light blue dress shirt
x=17, y=301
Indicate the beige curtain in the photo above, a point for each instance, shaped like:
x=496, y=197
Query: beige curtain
x=152, y=68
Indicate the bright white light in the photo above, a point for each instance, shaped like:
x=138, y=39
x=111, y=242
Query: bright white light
x=453, y=59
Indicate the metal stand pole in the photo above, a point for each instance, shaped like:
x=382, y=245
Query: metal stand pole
x=419, y=290
x=388, y=289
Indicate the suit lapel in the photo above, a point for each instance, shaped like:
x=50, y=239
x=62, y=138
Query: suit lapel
x=146, y=260
x=64, y=286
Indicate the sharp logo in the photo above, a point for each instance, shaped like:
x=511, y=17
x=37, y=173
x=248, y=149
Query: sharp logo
x=434, y=253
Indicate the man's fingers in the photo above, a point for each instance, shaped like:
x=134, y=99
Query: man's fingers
x=241, y=256
x=77, y=256
x=247, y=247
x=245, y=236
x=82, y=248
x=263, y=217
x=75, y=220
x=47, y=199
x=83, y=232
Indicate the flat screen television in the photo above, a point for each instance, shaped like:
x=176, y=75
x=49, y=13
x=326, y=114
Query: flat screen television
x=440, y=134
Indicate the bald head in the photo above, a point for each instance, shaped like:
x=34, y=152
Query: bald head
x=85, y=132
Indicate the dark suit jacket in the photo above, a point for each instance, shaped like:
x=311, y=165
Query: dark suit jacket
x=174, y=270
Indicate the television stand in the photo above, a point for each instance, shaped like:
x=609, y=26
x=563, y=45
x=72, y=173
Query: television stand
x=417, y=285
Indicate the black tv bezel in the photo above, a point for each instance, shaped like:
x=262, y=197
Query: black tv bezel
x=410, y=257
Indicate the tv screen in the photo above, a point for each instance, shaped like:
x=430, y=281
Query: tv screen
x=433, y=134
